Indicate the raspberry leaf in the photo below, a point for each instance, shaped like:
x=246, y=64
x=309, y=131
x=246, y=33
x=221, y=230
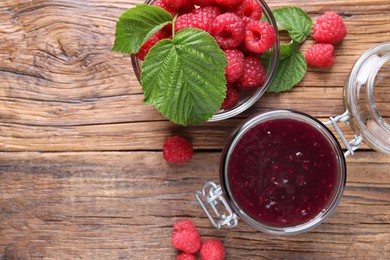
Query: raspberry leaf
x=294, y=20
x=184, y=77
x=290, y=71
x=137, y=25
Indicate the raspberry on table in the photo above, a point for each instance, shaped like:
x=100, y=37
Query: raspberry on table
x=253, y=75
x=228, y=30
x=320, y=55
x=177, y=149
x=329, y=28
x=209, y=12
x=212, y=249
x=249, y=9
x=228, y=2
x=185, y=237
x=185, y=256
x=191, y=20
x=231, y=98
x=259, y=36
x=235, y=65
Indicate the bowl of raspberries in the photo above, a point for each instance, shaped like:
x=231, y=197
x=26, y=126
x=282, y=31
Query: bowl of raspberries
x=247, y=33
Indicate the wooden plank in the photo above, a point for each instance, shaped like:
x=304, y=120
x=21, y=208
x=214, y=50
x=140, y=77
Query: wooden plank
x=123, y=205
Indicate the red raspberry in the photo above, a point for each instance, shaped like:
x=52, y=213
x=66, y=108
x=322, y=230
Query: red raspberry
x=177, y=149
x=212, y=249
x=192, y=21
x=162, y=34
x=209, y=12
x=249, y=9
x=329, y=28
x=185, y=256
x=253, y=75
x=204, y=2
x=235, y=65
x=259, y=36
x=175, y=4
x=185, y=237
x=162, y=5
x=231, y=98
x=228, y=2
x=228, y=30
x=320, y=55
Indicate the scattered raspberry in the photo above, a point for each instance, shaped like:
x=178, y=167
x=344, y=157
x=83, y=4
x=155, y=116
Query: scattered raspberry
x=228, y=30
x=185, y=256
x=253, y=75
x=162, y=34
x=209, y=12
x=320, y=55
x=228, y=2
x=192, y=21
x=235, y=65
x=177, y=150
x=259, y=36
x=185, y=237
x=231, y=98
x=329, y=28
x=212, y=249
x=204, y=2
x=249, y=9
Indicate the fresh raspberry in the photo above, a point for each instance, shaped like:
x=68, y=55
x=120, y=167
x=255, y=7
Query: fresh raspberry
x=193, y=21
x=329, y=28
x=175, y=4
x=235, y=65
x=212, y=249
x=259, y=36
x=162, y=34
x=228, y=2
x=231, y=98
x=209, y=12
x=253, y=75
x=185, y=237
x=320, y=55
x=228, y=30
x=185, y=256
x=162, y=5
x=177, y=150
x=204, y=2
x=248, y=9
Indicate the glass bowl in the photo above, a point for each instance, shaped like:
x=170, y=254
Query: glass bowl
x=247, y=99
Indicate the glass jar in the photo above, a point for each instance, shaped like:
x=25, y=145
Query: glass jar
x=248, y=98
x=270, y=171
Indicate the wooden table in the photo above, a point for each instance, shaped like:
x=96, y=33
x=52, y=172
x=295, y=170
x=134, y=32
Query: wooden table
x=81, y=169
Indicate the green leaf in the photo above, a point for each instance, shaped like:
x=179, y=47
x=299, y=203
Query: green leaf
x=285, y=51
x=184, y=78
x=137, y=25
x=295, y=20
x=290, y=72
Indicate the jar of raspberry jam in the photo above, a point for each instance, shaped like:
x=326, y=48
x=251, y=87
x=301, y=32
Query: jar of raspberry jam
x=283, y=172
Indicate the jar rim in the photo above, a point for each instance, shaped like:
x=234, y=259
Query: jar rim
x=283, y=114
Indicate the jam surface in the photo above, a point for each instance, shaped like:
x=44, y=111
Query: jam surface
x=283, y=172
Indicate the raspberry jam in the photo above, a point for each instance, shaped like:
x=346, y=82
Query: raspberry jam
x=284, y=172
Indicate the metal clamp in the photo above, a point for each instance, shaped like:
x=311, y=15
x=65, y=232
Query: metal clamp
x=212, y=193
x=352, y=145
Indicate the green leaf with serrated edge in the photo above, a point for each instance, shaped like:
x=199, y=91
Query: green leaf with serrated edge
x=184, y=78
x=137, y=25
x=285, y=51
x=295, y=20
x=290, y=72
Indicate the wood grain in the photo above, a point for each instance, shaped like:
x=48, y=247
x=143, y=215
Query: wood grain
x=81, y=170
